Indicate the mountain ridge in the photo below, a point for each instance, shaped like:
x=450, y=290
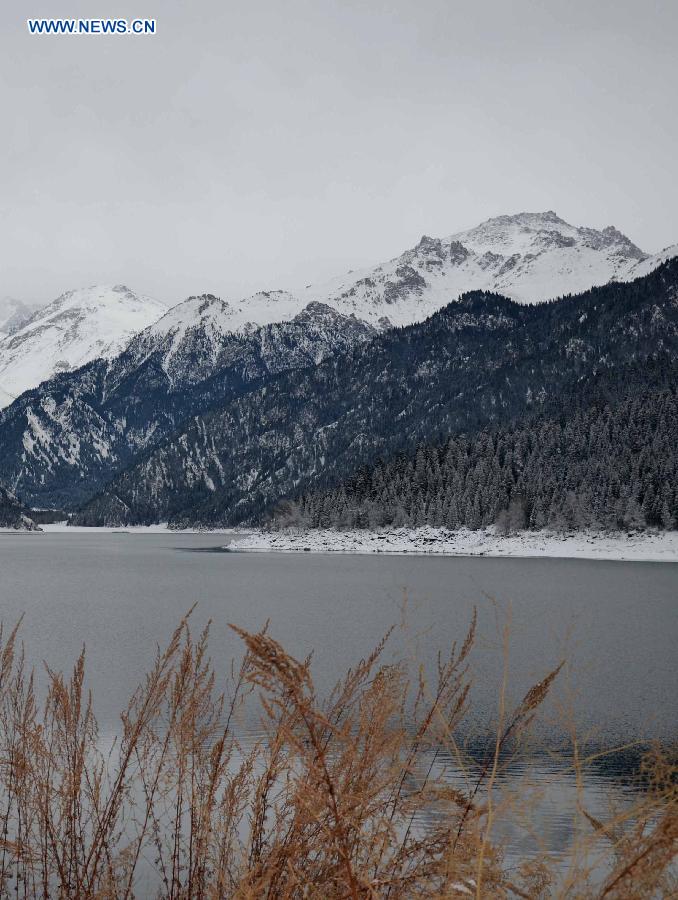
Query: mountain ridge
x=61, y=441
x=406, y=386
x=14, y=314
x=75, y=328
x=530, y=257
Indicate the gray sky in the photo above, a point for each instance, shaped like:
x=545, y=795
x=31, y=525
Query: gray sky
x=269, y=144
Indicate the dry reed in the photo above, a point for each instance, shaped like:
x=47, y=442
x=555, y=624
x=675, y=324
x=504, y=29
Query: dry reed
x=336, y=800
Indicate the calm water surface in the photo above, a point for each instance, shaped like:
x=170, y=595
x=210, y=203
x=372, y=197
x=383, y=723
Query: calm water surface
x=616, y=623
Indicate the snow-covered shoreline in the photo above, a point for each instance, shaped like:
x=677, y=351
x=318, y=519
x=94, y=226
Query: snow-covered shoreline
x=637, y=546
x=160, y=528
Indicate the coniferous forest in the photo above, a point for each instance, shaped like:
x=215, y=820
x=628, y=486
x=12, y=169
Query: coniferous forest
x=593, y=463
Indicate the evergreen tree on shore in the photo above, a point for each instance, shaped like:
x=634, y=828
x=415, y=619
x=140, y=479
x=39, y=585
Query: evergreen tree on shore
x=611, y=465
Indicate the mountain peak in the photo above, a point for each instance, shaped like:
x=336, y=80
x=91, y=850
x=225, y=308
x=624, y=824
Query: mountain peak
x=533, y=219
x=615, y=236
x=316, y=313
x=14, y=314
x=532, y=234
x=529, y=257
x=79, y=326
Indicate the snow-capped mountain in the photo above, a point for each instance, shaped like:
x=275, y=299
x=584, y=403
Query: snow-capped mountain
x=191, y=338
x=529, y=257
x=61, y=441
x=194, y=340
x=75, y=328
x=14, y=314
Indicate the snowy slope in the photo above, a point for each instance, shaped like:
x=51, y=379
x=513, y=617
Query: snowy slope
x=75, y=328
x=483, y=361
x=645, y=266
x=529, y=257
x=14, y=314
x=196, y=329
x=5, y=398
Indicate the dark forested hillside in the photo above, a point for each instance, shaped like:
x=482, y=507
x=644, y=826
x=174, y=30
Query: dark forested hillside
x=63, y=441
x=13, y=514
x=479, y=362
x=591, y=462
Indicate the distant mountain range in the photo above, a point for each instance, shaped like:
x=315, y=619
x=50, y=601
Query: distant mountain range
x=480, y=361
x=212, y=410
x=529, y=257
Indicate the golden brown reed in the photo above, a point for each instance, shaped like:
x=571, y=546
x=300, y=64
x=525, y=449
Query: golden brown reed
x=340, y=799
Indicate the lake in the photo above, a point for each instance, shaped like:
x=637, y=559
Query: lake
x=614, y=622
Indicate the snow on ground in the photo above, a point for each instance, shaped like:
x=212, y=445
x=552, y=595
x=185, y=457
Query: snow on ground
x=645, y=266
x=635, y=546
x=658, y=547
x=161, y=528
x=64, y=527
x=5, y=397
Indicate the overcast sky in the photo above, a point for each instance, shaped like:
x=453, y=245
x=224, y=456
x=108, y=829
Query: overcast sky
x=269, y=144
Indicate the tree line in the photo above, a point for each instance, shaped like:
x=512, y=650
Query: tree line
x=613, y=465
